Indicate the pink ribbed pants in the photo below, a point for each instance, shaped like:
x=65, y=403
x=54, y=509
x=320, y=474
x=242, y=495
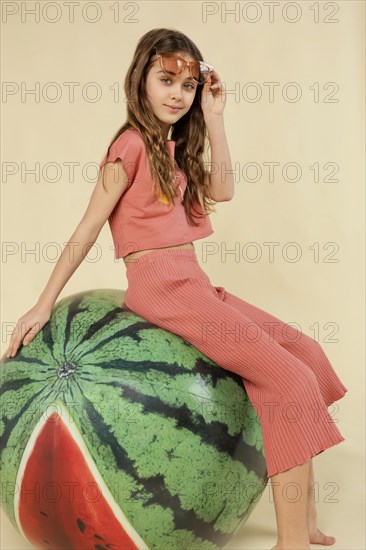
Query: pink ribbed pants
x=286, y=374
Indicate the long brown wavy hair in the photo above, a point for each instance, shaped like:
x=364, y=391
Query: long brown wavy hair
x=189, y=132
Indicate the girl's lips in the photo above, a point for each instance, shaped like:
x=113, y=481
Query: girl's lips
x=173, y=109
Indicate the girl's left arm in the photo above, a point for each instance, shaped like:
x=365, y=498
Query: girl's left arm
x=221, y=181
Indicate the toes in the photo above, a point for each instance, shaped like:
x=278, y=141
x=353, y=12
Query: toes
x=320, y=538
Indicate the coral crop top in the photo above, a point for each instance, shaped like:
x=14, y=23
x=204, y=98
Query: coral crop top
x=140, y=221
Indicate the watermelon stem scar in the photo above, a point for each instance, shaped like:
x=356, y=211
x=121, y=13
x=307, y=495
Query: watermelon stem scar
x=66, y=370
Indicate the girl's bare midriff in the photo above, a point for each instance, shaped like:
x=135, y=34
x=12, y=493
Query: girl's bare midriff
x=130, y=258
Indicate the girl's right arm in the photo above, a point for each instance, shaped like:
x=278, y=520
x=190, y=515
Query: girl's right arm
x=101, y=204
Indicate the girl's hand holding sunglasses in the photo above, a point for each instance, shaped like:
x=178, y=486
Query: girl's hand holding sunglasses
x=213, y=97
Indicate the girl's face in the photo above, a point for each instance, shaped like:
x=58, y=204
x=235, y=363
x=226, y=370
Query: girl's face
x=164, y=91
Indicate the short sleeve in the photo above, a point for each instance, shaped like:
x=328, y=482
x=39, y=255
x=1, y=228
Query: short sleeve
x=129, y=148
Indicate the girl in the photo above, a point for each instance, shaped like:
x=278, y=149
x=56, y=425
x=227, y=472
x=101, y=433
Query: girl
x=157, y=196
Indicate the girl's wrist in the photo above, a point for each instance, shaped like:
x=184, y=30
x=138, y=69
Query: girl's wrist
x=45, y=302
x=215, y=126
x=213, y=118
x=214, y=121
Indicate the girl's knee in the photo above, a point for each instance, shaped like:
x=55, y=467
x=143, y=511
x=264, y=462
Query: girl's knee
x=306, y=347
x=313, y=348
x=299, y=378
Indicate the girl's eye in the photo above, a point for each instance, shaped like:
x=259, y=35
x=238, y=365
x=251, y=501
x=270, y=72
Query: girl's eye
x=191, y=87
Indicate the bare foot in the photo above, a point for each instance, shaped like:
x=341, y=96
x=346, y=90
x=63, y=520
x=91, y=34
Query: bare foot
x=317, y=537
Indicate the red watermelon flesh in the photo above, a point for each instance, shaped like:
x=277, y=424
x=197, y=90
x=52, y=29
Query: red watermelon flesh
x=62, y=505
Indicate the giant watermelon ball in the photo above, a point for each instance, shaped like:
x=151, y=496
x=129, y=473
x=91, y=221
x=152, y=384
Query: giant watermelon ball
x=117, y=434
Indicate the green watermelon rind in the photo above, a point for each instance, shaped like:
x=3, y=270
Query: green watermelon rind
x=109, y=398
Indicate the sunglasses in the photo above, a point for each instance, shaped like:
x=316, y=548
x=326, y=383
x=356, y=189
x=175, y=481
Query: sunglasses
x=173, y=64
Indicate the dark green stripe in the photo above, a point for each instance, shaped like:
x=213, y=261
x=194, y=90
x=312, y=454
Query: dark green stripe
x=214, y=433
x=47, y=335
x=11, y=423
x=73, y=310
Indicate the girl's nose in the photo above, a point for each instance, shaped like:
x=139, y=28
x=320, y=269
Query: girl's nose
x=176, y=89
x=176, y=93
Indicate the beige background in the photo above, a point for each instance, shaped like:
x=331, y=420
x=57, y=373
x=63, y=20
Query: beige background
x=322, y=291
